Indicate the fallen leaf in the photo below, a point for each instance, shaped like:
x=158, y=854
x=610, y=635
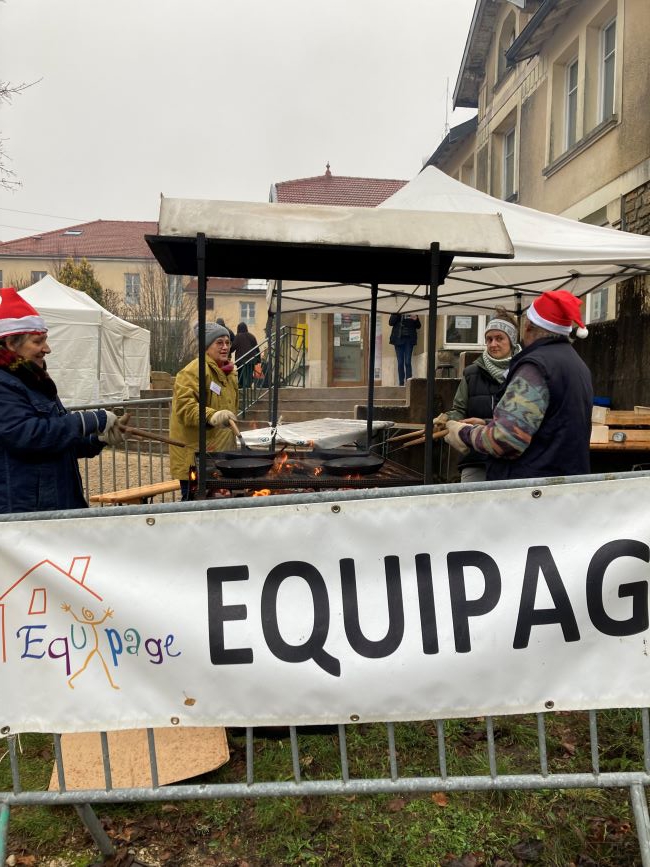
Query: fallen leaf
x=396, y=805
x=439, y=798
x=528, y=850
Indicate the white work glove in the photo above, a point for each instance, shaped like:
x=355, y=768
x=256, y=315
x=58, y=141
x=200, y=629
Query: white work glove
x=221, y=418
x=112, y=434
x=453, y=439
x=440, y=421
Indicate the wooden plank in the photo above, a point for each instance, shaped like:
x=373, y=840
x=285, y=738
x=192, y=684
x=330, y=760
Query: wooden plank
x=137, y=495
x=599, y=433
x=599, y=415
x=621, y=447
x=627, y=418
x=631, y=435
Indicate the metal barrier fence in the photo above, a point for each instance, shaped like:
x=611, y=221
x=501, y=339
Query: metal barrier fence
x=599, y=770
x=139, y=461
x=341, y=780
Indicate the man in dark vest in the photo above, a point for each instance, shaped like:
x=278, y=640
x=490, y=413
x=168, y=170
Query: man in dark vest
x=542, y=423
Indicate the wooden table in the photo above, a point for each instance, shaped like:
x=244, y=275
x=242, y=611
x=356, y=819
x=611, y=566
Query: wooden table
x=141, y=494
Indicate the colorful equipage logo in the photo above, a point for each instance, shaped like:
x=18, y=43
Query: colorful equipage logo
x=34, y=628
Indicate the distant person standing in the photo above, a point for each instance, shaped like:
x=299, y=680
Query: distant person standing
x=245, y=357
x=404, y=336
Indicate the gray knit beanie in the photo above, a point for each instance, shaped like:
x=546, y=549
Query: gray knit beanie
x=212, y=331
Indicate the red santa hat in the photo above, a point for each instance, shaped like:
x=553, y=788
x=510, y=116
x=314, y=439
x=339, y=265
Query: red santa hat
x=556, y=312
x=17, y=316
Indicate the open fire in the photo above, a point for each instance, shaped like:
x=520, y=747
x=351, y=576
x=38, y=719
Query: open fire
x=301, y=472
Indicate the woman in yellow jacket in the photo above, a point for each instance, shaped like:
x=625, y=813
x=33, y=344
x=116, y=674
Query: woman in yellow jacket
x=222, y=402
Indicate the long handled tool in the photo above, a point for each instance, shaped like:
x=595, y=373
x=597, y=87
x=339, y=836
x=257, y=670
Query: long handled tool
x=147, y=435
x=238, y=434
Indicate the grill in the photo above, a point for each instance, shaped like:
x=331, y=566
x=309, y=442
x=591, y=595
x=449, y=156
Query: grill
x=302, y=473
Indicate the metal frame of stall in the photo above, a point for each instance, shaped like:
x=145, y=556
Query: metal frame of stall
x=362, y=247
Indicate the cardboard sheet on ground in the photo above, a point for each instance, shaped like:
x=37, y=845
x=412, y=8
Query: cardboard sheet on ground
x=181, y=753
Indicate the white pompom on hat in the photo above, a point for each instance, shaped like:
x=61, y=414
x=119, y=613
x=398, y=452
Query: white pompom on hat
x=556, y=312
x=17, y=316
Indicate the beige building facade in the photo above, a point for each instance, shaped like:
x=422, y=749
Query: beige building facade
x=559, y=87
x=124, y=264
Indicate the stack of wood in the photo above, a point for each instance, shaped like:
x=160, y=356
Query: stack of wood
x=620, y=430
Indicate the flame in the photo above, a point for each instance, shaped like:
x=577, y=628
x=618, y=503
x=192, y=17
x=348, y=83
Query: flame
x=263, y=492
x=318, y=471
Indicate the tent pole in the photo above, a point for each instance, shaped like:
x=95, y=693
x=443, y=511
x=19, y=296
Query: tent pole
x=200, y=298
x=276, y=364
x=371, y=362
x=431, y=364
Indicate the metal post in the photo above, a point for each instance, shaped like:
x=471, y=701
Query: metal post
x=201, y=292
x=371, y=362
x=640, y=809
x=4, y=829
x=95, y=829
x=431, y=364
x=276, y=363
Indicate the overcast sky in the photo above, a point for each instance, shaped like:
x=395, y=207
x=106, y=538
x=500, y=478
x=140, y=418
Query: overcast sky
x=216, y=98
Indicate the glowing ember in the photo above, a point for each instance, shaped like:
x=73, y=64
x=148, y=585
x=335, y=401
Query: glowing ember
x=263, y=492
x=318, y=471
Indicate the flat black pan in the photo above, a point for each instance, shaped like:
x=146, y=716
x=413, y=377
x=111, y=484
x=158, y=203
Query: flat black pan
x=241, y=455
x=332, y=454
x=244, y=468
x=351, y=466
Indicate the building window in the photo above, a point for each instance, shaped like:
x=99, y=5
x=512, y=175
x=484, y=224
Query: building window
x=597, y=305
x=247, y=312
x=464, y=332
x=175, y=289
x=209, y=303
x=1, y=283
x=571, y=124
x=608, y=70
x=132, y=289
x=509, y=164
x=506, y=38
x=38, y=275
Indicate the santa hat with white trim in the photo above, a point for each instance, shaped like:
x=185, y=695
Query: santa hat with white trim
x=17, y=316
x=556, y=312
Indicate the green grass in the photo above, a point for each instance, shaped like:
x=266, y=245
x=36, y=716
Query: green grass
x=548, y=827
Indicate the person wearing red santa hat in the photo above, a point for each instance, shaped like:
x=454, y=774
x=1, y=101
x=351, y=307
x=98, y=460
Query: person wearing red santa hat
x=39, y=440
x=542, y=423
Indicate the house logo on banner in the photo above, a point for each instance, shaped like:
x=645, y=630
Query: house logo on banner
x=51, y=616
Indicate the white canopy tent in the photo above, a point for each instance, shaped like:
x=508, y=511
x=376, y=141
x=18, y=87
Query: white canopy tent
x=550, y=252
x=96, y=356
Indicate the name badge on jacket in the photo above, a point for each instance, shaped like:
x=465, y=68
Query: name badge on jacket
x=215, y=388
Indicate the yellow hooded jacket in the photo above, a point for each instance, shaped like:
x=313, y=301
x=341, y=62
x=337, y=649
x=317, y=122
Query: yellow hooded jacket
x=222, y=393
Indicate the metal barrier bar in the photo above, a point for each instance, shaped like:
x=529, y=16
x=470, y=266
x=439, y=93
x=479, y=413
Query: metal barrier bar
x=541, y=744
x=4, y=831
x=153, y=762
x=640, y=808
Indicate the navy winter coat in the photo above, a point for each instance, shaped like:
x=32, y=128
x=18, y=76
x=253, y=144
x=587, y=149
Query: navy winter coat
x=39, y=445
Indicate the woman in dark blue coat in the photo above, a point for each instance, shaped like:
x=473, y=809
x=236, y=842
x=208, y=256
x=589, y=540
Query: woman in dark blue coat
x=40, y=441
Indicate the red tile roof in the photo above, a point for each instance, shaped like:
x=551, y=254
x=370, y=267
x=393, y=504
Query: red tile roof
x=101, y=239
x=329, y=189
x=221, y=284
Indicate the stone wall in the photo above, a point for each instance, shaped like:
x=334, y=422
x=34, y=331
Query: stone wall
x=618, y=351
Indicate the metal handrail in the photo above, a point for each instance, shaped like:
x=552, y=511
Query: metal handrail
x=292, y=367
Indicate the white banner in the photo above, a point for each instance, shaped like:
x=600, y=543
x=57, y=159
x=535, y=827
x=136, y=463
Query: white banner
x=393, y=608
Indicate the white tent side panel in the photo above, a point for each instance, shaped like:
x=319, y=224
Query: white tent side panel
x=96, y=356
